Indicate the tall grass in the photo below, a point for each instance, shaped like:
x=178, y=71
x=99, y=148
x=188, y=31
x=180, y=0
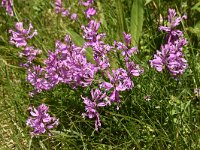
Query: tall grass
x=170, y=120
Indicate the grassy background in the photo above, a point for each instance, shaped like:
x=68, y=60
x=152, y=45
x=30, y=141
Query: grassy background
x=170, y=120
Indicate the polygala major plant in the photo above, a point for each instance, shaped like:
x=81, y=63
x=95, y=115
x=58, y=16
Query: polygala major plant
x=68, y=63
x=171, y=55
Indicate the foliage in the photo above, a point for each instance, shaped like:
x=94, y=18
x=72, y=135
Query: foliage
x=158, y=113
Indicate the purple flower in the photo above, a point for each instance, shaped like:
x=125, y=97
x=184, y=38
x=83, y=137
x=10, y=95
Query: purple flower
x=30, y=54
x=134, y=69
x=86, y=3
x=40, y=120
x=173, y=21
x=120, y=46
x=58, y=6
x=127, y=38
x=91, y=108
x=95, y=41
x=65, y=13
x=90, y=32
x=157, y=62
x=74, y=16
x=119, y=81
x=37, y=79
x=171, y=55
x=20, y=36
x=8, y=4
x=90, y=12
x=126, y=51
x=59, y=9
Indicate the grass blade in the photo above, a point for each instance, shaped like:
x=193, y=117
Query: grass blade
x=137, y=18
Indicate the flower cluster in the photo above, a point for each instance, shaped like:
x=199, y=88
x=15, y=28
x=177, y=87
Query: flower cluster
x=38, y=81
x=20, y=37
x=8, y=4
x=98, y=100
x=68, y=64
x=127, y=51
x=171, y=55
x=95, y=41
x=90, y=11
x=119, y=79
x=40, y=120
x=64, y=12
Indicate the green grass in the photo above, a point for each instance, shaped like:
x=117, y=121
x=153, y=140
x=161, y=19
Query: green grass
x=170, y=120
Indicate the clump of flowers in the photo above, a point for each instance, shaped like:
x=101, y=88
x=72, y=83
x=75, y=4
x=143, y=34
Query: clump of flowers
x=117, y=80
x=30, y=54
x=95, y=41
x=8, y=4
x=90, y=10
x=20, y=37
x=171, y=55
x=59, y=9
x=68, y=64
x=98, y=100
x=40, y=120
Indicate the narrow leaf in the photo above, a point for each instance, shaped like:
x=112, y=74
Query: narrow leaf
x=77, y=39
x=120, y=18
x=137, y=18
x=147, y=2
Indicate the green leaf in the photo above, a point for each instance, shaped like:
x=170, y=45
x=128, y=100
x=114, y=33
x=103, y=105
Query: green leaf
x=196, y=7
x=147, y=2
x=78, y=40
x=196, y=29
x=137, y=18
x=120, y=18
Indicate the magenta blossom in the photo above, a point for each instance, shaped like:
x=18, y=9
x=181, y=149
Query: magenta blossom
x=90, y=12
x=92, y=105
x=127, y=38
x=171, y=55
x=119, y=81
x=8, y=4
x=74, y=16
x=29, y=53
x=40, y=120
x=86, y=3
x=20, y=36
x=59, y=9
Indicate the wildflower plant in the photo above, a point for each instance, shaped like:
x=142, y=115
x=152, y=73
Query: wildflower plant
x=171, y=54
x=40, y=120
x=68, y=64
x=99, y=85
